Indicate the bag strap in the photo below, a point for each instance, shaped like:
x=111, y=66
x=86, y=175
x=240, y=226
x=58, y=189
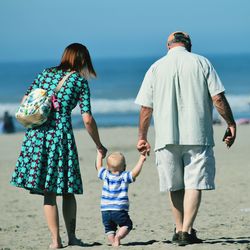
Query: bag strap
x=58, y=87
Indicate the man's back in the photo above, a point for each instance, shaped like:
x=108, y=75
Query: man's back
x=179, y=87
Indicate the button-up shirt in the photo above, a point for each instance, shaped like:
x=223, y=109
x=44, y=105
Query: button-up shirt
x=178, y=87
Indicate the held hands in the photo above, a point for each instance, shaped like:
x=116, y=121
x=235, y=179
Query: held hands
x=143, y=147
x=101, y=153
x=143, y=157
x=102, y=150
x=230, y=135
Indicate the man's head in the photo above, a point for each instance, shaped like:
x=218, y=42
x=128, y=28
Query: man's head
x=116, y=162
x=179, y=38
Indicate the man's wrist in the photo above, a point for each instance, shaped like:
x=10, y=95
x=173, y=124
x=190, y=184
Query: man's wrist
x=142, y=138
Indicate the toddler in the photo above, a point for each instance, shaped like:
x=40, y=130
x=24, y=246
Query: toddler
x=114, y=201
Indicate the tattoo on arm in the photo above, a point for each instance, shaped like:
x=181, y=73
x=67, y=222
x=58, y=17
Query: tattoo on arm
x=223, y=107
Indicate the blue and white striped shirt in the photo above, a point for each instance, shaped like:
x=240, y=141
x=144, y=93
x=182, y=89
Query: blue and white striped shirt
x=115, y=190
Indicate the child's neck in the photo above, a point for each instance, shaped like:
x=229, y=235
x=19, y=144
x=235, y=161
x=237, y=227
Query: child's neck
x=115, y=172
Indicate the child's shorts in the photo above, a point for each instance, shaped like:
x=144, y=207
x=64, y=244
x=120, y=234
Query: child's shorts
x=112, y=218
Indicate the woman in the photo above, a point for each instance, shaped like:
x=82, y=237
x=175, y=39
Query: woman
x=48, y=163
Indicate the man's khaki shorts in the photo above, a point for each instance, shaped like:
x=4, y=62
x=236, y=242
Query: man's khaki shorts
x=185, y=167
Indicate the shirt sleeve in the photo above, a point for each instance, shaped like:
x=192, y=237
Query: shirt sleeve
x=102, y=173
x=145, y=94
x=35, y=84
x=84, y=98
x=215, y=85
x=127, y=177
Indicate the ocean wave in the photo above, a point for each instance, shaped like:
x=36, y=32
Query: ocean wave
x=238, y=103
x=99, y=106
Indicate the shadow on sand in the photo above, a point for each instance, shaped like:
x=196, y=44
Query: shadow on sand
x=229, y=240
x=140, y=243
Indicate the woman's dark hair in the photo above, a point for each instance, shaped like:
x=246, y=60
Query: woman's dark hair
x=76, y=57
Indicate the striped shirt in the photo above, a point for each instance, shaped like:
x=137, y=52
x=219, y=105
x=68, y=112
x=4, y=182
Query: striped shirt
x=115, y=190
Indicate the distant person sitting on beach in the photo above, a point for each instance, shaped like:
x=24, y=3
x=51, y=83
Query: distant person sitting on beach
x=8, y=124
x=115, y=201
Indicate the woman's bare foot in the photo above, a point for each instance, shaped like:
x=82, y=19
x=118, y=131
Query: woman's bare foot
x=55, y=245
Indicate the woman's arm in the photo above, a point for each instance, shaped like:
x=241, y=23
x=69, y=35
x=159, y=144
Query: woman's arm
x=91, y=127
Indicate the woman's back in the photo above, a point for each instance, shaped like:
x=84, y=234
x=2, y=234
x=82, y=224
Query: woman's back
x=75, y=90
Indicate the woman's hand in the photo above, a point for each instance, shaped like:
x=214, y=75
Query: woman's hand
x=102, y=150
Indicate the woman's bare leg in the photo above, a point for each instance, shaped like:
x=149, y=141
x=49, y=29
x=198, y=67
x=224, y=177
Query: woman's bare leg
x=51, y=215
x=69, y=215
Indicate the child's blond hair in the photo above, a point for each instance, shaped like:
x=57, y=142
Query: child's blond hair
x=116, y=161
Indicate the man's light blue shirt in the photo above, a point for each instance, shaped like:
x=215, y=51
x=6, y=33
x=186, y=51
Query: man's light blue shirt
x=179, y=87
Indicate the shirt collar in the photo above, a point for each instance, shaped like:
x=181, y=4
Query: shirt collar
x=178, y=48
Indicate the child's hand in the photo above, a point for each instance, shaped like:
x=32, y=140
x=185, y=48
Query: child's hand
x=143, y=157
x=99, y=154
x=98, y=163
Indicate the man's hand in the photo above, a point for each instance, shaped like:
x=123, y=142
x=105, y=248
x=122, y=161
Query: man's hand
x=143, y=147
x=229, y=140
x=224, y=109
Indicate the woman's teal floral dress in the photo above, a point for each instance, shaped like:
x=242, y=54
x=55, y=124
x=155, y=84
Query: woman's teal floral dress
x=48, y=161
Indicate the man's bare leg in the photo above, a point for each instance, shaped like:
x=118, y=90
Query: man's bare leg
x=177, y=199
x=192, y=200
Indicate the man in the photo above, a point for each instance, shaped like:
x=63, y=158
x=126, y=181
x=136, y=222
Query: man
x=180, y=90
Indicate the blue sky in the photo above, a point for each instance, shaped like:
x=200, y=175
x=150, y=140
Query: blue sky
x=41, y=29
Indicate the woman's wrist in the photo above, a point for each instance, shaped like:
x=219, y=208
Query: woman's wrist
x=99, y=146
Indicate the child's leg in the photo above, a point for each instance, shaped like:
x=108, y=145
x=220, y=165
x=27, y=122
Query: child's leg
x=121, y=233
x=69, y=215
x=123, y=220
x=51, y=215
x=111, y=238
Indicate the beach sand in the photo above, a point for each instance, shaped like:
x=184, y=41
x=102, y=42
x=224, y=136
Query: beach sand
x=223, y=220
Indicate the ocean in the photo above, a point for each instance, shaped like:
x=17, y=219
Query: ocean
x=117, y=84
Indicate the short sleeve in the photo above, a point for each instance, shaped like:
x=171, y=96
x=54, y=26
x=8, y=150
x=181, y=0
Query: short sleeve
x=145, y=94
x=35, y=84
x=84, y=98
x=214, y=83
x=127, y=177
x=102, y=173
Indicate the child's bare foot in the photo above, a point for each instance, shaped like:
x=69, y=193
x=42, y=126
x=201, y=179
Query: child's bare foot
x=117, y=241
x=75, y=242
x=111, y=238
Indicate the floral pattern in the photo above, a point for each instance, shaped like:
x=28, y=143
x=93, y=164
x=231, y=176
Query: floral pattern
x=48, y=160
